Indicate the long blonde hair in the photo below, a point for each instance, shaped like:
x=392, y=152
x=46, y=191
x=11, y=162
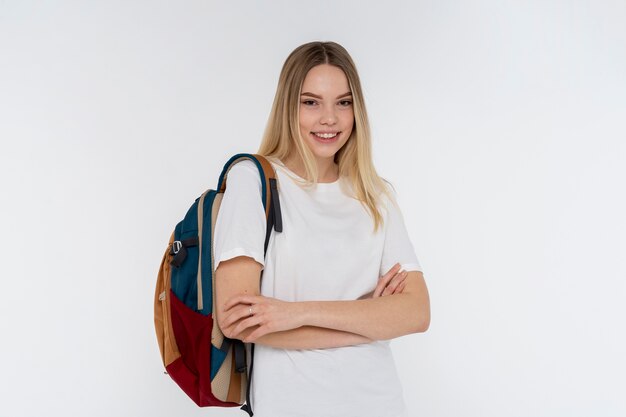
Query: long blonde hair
x=282, y=137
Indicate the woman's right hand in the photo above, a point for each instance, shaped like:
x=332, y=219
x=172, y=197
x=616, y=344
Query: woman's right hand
x=393, y=282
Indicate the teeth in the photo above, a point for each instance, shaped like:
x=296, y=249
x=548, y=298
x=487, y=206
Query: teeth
x=326, y=135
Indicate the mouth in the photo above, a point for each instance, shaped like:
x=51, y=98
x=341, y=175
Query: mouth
x=328, y=137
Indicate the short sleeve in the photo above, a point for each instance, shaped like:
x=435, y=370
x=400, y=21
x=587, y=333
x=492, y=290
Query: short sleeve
x=398, y=247
x=240, y=224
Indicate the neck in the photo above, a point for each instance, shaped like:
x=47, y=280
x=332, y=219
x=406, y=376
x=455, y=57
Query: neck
x=328, y=170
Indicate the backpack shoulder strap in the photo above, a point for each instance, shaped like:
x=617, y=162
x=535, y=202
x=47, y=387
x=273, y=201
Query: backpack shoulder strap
x=269, y=187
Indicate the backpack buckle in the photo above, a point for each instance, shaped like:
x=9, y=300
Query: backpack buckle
x=176, y=246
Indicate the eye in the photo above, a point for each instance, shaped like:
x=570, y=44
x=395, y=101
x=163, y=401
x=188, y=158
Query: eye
x=345, y=103
x=308, y=102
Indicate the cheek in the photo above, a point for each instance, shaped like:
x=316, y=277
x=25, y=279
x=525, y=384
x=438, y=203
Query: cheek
x=349, y=121
x=305, y=122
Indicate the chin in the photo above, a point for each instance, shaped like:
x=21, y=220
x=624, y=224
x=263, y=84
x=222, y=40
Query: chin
x=324, y=153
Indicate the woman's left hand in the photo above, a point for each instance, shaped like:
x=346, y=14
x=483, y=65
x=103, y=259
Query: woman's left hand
x=393, y=282
x=269, y=314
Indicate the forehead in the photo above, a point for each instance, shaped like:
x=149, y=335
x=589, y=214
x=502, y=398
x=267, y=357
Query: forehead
x=325, y=78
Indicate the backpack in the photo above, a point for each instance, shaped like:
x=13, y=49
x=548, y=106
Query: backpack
x=210, y=368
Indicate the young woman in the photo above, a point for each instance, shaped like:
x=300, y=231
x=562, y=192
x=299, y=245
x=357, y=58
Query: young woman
x=342, y=278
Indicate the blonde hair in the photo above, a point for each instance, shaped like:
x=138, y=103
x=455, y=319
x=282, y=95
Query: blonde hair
x=282, y=137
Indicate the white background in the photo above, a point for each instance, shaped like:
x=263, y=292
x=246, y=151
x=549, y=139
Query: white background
x=501, y=124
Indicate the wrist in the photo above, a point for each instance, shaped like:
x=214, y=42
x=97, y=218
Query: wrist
x=304, y=313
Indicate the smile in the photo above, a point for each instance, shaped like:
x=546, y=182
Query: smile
x=326, y=135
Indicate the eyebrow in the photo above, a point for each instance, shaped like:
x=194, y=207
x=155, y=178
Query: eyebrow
x=319, y=97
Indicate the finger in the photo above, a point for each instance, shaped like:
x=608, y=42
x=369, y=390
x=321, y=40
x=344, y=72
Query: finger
x=382, y=284
x=384, y=280
x=237, y=299
x=236, y=314
x=393, y=270
x=400, y=288
x=392, y=283
x=395, y=282
x=240, y=299
x=401, y=281
x=379, y=289
x=247, y=323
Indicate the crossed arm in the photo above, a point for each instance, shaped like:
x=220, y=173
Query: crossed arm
x=398, y=306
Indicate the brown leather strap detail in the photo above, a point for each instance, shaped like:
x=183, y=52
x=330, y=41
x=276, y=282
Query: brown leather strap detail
x=234, y=390
x=162, y=312
x=269, y=173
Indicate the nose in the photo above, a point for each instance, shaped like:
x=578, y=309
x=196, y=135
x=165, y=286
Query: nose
x=328, y=116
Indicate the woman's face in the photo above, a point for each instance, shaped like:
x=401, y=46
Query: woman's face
x=326, y=113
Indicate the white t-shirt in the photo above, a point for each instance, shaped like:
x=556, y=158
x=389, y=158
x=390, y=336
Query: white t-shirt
x=326, y=251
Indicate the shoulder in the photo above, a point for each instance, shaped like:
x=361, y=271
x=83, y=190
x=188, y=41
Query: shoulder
x=243, y=177
x=388, y=196
x=242, y=167
x=245, y=170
